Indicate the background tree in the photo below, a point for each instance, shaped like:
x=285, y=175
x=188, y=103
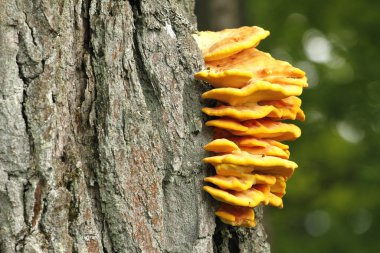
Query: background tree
x=101, y=131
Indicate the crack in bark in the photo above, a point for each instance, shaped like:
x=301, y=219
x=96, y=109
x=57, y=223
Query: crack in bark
x=143, y=74
x=86, y=26
x=137, y=5
x=30, y=29
x=24, y=98
x=151, y=94
x=25, y=116
x=93, y=187
x=37, y=203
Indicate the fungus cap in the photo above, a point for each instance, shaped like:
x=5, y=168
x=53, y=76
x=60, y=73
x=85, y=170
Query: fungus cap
x=261, y=128
x=285, y=80
x=252, y=93
x=218, y=45
x=243, y=112
x=287, y=108
x=279, y=187
x=249, y=141
x=265, y=164
x=250, y=198
x=232, y=183
x=228, y=124
x=236, y=215
x=221, y=146
x=265, y=128
x=232, y=78
x=242, y=183
x=229, y=169
x=232, y=170
x=267, y=151
x=238, y=69
x=275, y=200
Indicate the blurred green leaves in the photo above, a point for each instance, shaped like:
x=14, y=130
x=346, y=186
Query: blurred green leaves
x=332, y=202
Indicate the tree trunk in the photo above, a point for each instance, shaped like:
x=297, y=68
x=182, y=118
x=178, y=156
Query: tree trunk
x=101, y=131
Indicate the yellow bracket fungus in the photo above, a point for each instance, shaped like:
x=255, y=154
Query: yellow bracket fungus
x=218, y=45
x=224, y=169
x=222, y=146
x=279, y=188
x=237, y=70
x=263, y=148
x=247, y=141
x=250, y=197
x=262, y=128
x=228, y=124
x=287, y=108
x=258, y=162
x=229, y=169
x=236, y=215
x=274, y=200
x=267, y=151
x=254, y=91
x=241, y=183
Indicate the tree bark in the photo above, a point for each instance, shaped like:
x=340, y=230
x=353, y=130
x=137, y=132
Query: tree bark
x=101, y=131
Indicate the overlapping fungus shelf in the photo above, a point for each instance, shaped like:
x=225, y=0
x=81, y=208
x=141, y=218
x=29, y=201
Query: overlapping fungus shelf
x=254, y=93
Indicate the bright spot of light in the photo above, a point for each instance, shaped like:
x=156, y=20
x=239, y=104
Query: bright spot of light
x=362, y=222
x=317, y=222
x=349, y=133
x=317, y=47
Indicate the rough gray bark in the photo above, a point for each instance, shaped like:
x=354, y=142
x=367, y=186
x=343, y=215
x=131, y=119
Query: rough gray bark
x=101, y=132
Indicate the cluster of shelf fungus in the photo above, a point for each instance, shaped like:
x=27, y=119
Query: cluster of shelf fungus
x=254, y=92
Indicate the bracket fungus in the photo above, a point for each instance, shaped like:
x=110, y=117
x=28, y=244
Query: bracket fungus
x=250, y=65
x=287, y=108
x=260, y=128
x=254, y=92
x=219, y=45
x=236, y=215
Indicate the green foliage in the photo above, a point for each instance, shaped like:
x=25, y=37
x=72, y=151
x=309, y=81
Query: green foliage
x=332, y=202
